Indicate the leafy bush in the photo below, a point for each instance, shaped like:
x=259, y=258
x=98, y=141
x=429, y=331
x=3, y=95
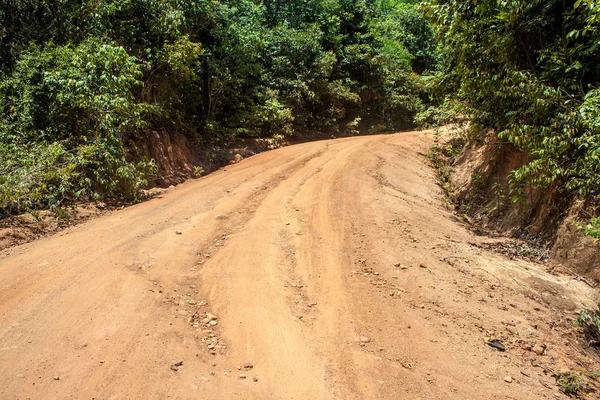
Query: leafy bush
x=66, y=114
x=527, y=71
x=593, y=228
x=590, y=320
x=81, y=81
x=572, y=382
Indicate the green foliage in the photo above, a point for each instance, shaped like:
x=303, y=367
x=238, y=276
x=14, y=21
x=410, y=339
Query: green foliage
x=575, y=383
x=527, y=71
x=571, y=382
x=66, y=114
x=83, y=81
x=593, y=228
x=589, y=319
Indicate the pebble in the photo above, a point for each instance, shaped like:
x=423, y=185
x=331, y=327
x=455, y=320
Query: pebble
x=57, y=378
x=539, y=350
x=178, y=232
x=364, y=339
x=255, y=379
x=175, y=364
x=242, y=376
x=211, y=316
x=508, y=379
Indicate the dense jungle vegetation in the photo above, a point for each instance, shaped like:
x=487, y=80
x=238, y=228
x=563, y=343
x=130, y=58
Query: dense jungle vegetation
x=81, y=80
x=527, y=72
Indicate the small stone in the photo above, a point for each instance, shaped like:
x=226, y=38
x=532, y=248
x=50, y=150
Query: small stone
x=211, y=316
x=255, y=379
x=364, y=339
x=101, y=361
x=539, y=350
x=248, y=366
x=396, y=265
x=221, y=216
x=242, y=376
x=213, y=323
x=178, y=232
x=57, y=378
x=422, y=265
x=508, y=379
x=84, y=345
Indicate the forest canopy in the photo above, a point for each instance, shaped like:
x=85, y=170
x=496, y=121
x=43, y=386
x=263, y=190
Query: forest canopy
x=527, y=72
x=81, y=80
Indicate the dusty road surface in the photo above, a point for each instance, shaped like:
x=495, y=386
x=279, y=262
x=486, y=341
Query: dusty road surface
x=326, y=270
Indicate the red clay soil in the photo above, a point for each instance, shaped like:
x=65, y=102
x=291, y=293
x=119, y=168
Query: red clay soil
x=325, y=270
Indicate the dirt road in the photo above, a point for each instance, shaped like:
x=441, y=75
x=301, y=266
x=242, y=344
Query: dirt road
x=326, y=270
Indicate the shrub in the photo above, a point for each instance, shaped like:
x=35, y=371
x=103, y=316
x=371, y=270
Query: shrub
x=67, y=114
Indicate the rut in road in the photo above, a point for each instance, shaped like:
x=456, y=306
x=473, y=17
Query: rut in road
x=326, y=270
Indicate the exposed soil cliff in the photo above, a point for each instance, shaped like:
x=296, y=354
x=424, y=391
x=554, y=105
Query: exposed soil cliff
x=480, y=177
x=179, y=158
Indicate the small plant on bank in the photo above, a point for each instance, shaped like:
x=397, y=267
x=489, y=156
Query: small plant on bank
x=198, y=171
x=590, y=321
x=572, y=382
x=593, y=228
x=575, y=383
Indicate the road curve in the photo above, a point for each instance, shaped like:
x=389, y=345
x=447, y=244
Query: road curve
x=315, y=271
